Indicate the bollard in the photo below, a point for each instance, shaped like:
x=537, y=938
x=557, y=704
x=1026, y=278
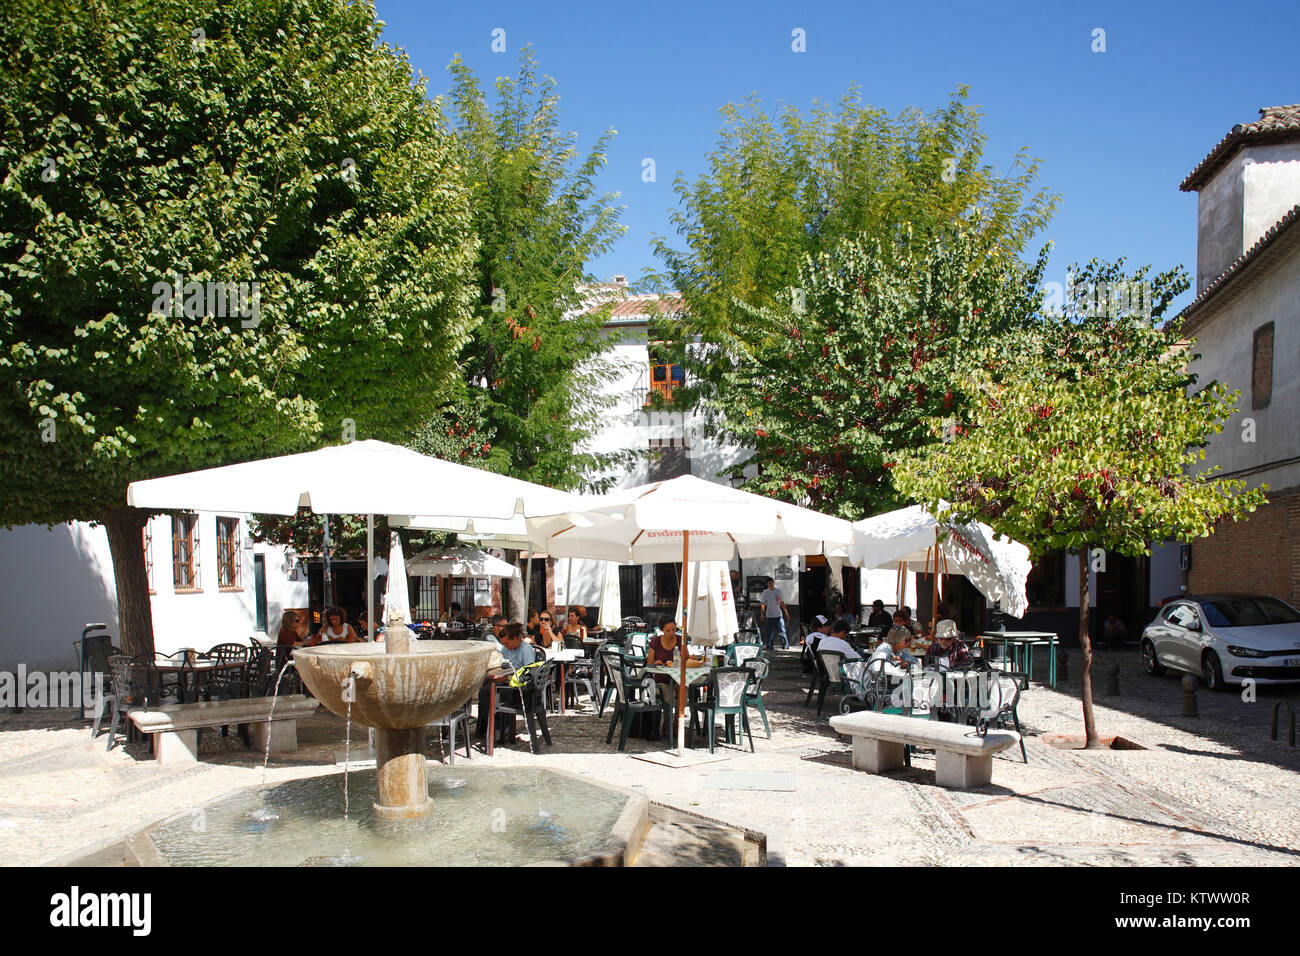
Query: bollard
x=1062, y=666
x=1112, y=679
x=1190, y=685
x=1290, y=714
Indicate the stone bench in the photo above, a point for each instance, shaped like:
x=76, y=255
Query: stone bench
x=175, y=727
x=962, y=758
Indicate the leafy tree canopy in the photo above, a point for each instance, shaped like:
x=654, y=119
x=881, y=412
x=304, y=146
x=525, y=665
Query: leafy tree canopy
x=538, y=360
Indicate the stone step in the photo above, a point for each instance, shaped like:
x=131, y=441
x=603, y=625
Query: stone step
x=684, y=842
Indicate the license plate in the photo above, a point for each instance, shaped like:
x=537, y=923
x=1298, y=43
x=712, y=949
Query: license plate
x=1292, y=662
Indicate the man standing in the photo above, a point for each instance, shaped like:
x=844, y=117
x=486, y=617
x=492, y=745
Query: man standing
x=775, y=614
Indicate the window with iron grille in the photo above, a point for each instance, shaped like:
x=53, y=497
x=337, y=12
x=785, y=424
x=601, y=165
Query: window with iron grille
x=1261, y=371
x=146, y=534
x=185, y=552
x=228, y=553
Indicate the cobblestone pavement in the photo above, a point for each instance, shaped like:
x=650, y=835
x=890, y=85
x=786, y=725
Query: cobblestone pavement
x=1208, y=790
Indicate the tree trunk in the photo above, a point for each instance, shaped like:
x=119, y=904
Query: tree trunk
x=1093, y=742
x=513, y=590
x=125, y=527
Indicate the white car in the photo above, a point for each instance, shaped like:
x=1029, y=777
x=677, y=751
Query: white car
x=1225, y=638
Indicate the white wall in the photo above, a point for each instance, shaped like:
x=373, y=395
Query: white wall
x=54, y=581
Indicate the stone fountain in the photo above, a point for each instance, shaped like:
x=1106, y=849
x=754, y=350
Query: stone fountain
x=397, y=688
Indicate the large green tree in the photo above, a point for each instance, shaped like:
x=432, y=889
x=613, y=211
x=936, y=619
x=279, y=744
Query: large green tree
x=538, y=359
x=874, y=341
x=782, y=186
x=1085, y=437
x=217, y=142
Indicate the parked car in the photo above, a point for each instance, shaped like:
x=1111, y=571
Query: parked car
x=1225, y=638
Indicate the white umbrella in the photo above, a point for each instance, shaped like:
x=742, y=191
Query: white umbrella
x=649, y=524
x=611, y=598
x=397, y=593
x=713, y=619
x=906, y=539
x=459, y=561
x=361, y=477
x=687, y=515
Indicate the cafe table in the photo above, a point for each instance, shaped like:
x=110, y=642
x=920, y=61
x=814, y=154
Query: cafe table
x=495, y=677
x=1018, y=647
x=563, y=657
x=200, y=668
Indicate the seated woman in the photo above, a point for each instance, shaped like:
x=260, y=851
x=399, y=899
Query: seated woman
x=335, y=629
x=891, y=651
x=574, y=627
x=660, y=651
x=293, y=630
x=453, y=613
x=546, y=635
x=902, y=634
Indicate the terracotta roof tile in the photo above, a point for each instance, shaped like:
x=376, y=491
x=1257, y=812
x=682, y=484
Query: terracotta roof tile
x=1276, y=124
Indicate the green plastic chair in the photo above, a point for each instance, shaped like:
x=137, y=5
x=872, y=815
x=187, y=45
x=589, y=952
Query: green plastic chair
x=759, y=666
x=727, y=697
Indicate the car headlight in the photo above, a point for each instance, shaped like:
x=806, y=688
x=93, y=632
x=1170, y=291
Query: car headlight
x=1245, y=651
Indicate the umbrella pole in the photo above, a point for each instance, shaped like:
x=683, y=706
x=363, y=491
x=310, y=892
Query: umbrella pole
x=934, y=590
x=681, y=654
x=528, y=582
x=568, y=599
x=370, y=578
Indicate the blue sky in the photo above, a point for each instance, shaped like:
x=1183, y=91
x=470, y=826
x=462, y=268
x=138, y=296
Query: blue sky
x=1115, y=131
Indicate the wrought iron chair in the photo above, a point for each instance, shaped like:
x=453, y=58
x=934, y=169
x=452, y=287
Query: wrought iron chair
x=1004, y=696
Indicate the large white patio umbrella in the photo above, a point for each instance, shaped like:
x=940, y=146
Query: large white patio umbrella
x=459, y=561
x=684, y=518
x=713, y=619
x=361, y=477
x=911, y=539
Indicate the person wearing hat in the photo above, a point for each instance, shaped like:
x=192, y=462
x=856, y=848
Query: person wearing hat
x=820, y=628
x=838, y=640
x=948, y=649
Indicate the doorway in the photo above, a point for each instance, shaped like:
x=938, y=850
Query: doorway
x=1122, y=591
x=629, y=590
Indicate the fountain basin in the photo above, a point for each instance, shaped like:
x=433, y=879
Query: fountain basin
x=482, y=817
x=401, y=691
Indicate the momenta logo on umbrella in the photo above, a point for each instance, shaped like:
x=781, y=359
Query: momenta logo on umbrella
x=77, y=909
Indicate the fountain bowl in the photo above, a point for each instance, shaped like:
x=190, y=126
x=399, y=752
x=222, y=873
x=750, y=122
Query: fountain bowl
x=395, y=691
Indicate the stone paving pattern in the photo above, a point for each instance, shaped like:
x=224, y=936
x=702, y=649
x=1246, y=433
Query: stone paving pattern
x=1210, y=790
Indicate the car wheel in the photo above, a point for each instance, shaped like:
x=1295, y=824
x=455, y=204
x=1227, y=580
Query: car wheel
x=1149, y=662
x=1213, y=671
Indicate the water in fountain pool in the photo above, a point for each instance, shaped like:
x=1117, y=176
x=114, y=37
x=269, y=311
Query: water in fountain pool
x=481, y=817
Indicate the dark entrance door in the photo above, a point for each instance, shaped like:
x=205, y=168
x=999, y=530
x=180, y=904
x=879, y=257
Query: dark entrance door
x=259, y=592
x=812, y=593
x=629, y=590
x=1122, y=591
x=537, y=586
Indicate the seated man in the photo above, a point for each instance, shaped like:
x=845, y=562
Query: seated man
x=837, y=640
x=821, y=627
x=948, y=650
x=515, y=653
x=904, y=632
x=879, y=616
x=1115, y=631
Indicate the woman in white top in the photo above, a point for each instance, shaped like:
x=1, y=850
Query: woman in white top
x=335, y=629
